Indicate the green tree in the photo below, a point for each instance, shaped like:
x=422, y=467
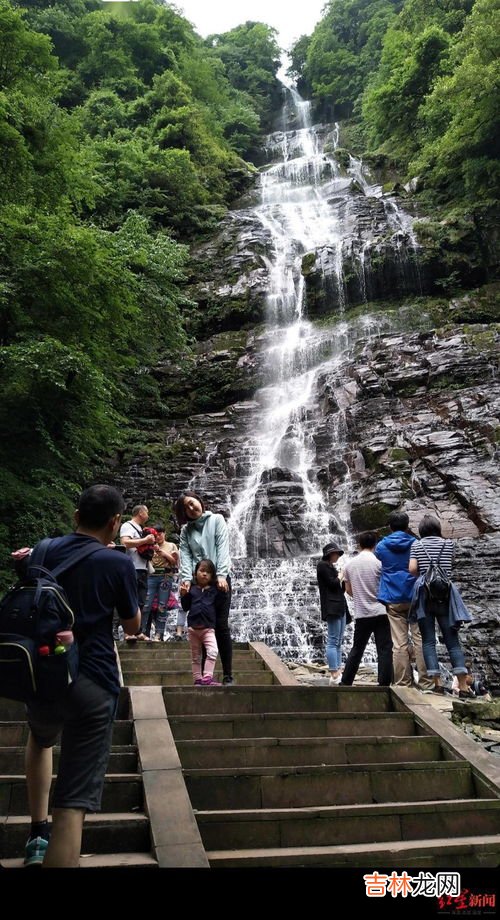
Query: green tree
x=344, y=50
x=251, y=57
x=408, y=68
x=459, y=126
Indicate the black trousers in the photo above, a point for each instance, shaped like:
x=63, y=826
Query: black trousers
x=364, y=627
x=142, y=590
x=223, y=635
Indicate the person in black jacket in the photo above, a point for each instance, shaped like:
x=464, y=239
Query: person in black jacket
x=202, y=601
x=333, y=608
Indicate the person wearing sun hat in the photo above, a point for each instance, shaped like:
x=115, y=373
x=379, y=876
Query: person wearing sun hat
x=333, y=607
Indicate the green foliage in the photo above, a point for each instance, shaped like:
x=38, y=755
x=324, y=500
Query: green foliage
x=424, y=76
x=459, y=123
x=298, y=59
x=408, y=68
x=120, y=129
x=343, y=50
x=250, y=55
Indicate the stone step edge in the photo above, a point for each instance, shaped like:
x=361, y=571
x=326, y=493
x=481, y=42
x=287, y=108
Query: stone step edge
x=264, y=741
x=421, y=765
x=187, y=670
x=118, y=749
x=326, y=714
x=372, y=689
x=110, y=777
x=359, y=851
x=111, y=817
x=205, y=816
x=100, y=861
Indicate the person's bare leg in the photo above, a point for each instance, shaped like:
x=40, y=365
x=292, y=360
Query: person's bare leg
x=38, y=765
x=66, y=839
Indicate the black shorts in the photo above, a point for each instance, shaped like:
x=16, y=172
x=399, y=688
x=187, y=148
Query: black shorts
x=85, y=717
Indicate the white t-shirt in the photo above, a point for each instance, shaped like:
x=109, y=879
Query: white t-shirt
x=363, y=572
x=135, y=533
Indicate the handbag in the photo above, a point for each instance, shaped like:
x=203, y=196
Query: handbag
x=172, y=602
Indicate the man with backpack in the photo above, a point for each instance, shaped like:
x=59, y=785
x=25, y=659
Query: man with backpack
x=94, y=586
x=395, y=592
x=432, y=558
x=133, y=538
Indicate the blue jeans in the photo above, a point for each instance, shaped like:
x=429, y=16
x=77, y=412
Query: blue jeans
x=159, y=587
x=336, y=627
x=451, y=640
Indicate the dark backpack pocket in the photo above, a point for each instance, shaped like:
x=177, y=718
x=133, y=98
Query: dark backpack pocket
x=55, y=673
x=17, y=668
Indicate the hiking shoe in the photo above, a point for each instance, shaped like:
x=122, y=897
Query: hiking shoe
x=227, y=680
x=35, y=850
x=466, y=695
x=209, y=681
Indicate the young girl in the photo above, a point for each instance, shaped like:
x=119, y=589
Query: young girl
x=202, y=601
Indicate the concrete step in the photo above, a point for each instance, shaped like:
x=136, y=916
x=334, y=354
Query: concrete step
x=299, y=787
x=123, y=759
x=178, y=663
x=16, y=733
x=147, y=651
x=240, y=699
x=102, y=833
x=292, y=725
x=274, y=752
x=123, y=792
x=171, y=678
x=347, y=824
x=462, y=852
x=101, y=861
x=240, y=649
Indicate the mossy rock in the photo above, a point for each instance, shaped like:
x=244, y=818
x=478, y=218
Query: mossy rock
x=308, y=264
x=371, y=516
x=398, y=453
x=479, y=306
x=343, y=157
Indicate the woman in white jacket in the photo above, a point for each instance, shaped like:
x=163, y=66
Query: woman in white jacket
x=204, y=535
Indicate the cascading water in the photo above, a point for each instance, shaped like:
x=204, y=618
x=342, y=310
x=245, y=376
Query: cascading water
x=282, y=516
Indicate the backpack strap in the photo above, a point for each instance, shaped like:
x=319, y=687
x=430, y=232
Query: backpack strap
x=426, y=553
x=40, y=551
x=431, y=562
x=138, y=530
x=77, y=558
x=441, y=552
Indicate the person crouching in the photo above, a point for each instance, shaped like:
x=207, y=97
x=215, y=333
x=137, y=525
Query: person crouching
x=201, y=601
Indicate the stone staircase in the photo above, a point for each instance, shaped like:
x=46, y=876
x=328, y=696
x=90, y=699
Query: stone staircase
x=313, y=776
x=168, y=664
x=118, y=836
x=270, y=773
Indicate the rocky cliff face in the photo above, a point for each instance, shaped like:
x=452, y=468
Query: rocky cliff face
x=420, y=419
x=299, y=429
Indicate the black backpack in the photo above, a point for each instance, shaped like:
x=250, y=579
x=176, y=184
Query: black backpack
x=437, y=583
x=34, y=663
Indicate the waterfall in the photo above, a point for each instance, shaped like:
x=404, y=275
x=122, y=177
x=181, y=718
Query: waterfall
x=287, y=508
